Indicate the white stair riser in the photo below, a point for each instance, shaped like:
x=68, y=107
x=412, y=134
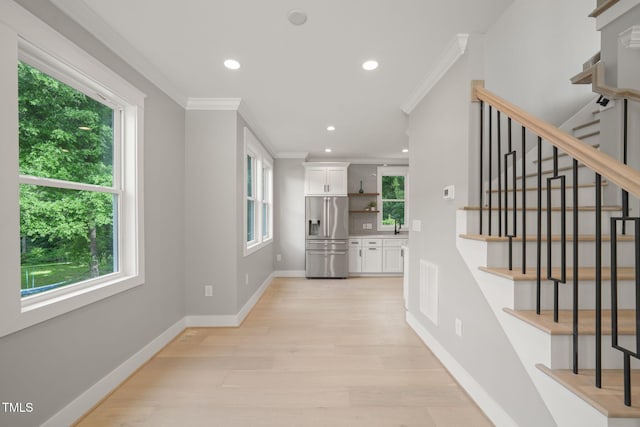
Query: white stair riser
x=586, y=222
x=525, y=295
x=562, y=352
x=585, y=175
x=586, y=197
x=498, y=254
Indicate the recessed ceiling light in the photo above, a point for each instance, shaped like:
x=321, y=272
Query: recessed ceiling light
x=327, y=150
x=331, y=128
x=297, y=16
x=405, y=150
x=370, y=65
x=231, y=64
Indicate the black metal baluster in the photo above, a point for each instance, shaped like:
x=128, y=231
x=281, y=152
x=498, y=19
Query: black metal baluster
x=563, y=242
x=575, y=266
x=625, y=136
x=614, y=296
x=539, y=233
x=510, y=234
x=524, y=203
x=480, y=181
x=499, y=136
x=563, y=235
x=506, y=194
x=598, y=267
x=490, y=196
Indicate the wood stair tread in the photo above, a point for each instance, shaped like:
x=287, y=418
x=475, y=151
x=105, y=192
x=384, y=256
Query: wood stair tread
x=554, y=238
x=584, y=125
x=554, y=187
x=544, y=209
x=547, y=158
x=584, y=273
x=586, y=321
x=588, y=135
x=549, y=171
x=609, y=399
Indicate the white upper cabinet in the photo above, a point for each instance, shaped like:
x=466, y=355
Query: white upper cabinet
x=325, y=179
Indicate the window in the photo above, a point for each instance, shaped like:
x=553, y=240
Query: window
x=258, y=194
x=68, y=200
x=70, y=174
x=392, y=199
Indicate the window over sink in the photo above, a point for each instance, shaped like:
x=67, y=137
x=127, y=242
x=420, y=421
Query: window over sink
x=393, y=184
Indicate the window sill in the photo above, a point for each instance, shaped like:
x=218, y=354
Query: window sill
x=32, y=313
x=248, y=250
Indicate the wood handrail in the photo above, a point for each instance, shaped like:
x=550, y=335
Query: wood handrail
x=603, y=6
x=595, y=76
x=620, y=174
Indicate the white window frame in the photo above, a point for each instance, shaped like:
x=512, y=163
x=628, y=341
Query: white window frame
x=392, y=171
x=25, y=37
x=263, y=160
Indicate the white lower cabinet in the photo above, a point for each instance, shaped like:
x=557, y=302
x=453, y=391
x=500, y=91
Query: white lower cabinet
x=372, y=259
x=376, y=255
x=392, y=255
x=392, y=260
x=355, y=255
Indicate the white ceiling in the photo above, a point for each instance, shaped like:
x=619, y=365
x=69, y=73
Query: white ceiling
x=294, y=81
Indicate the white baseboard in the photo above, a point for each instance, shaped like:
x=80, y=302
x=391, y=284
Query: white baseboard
x=490, y=407
x=289, y=273
x=87, y=400
x=246, y=309
x=230, y=320
x=206, y=321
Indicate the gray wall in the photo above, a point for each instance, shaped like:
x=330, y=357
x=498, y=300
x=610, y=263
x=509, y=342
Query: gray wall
x=51, y=363
x=211, y=212
x=533, y=50
x=214, y=204
x=260, y=264
x=289, y=214
x=440, y=157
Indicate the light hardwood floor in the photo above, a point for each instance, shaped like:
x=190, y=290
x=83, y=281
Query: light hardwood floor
x=311, y=353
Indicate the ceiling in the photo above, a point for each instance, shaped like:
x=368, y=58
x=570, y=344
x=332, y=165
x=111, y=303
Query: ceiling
x=294, y=81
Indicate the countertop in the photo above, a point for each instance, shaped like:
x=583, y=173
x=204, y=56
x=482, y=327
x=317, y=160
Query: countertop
x=379, y=236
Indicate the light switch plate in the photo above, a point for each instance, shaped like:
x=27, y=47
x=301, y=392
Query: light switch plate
x=449, y=192
x=416, y=225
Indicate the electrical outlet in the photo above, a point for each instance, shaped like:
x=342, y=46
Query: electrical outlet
x=208, y=291
x=364, y=226
x=459, y=327
x=279, y=257
x=246, y=279
x=416, y=225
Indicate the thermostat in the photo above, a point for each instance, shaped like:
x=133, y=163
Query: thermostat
x=449, y=192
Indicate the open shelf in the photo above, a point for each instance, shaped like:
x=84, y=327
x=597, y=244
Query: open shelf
x=363, y=194
x=364, y=212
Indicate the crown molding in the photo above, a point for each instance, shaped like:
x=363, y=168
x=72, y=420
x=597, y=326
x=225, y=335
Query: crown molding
x=215, y=104
x=630, y=38
x=454, y=50
x=86, y=17
x=291, y=155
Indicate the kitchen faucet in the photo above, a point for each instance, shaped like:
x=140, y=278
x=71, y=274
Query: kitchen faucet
x=396, y=227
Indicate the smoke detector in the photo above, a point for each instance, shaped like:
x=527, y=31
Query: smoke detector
x=297, y=16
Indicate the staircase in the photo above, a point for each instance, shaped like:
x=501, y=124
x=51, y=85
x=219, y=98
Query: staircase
x=539, y=246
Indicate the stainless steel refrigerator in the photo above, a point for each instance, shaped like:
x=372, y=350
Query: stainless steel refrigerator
x=327, y=232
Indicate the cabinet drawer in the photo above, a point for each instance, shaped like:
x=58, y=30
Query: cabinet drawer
x=355, y=243
x=371, y=242
x=388, y=243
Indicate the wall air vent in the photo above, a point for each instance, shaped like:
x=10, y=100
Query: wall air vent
x=429, y=290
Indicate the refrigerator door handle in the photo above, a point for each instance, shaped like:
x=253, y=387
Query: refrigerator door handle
x=326, y=217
